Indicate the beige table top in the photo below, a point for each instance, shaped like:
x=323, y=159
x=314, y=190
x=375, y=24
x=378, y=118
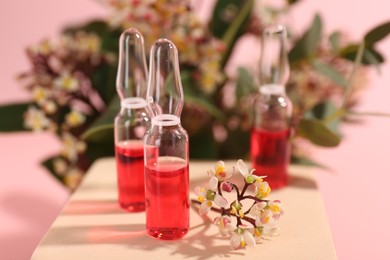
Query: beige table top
x=91, y=225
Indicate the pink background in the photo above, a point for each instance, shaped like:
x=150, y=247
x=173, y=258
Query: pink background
x=355, y=192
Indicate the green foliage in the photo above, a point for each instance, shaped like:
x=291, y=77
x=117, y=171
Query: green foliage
x=376, y=34
x=323, y=111
x=245, y=83
x=109, y=36
x=307, y=45
x=318, y=133
x=236, y=145
x=370, y=55
x=12, y=117
x=102, y=129
x=334, y=40
x=202, y=145
x=48, y=163
x=229, y=19
x=330, y=73
x=197, y=99
x=103, y=80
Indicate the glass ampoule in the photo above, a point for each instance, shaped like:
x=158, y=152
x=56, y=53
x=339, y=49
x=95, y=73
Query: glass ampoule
x=131, y=122
x=166, y=147
x=270, y=145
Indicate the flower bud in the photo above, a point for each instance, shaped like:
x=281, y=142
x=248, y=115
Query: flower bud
x=227, y=186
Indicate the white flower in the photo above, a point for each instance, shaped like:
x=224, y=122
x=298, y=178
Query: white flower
x=242, y=237
x=207, y=196
x=220, y=171
x=60, y=166
x=74, y=118
x=224, y=224
x=67, y=82
x=35, y=119
x=237, y=209
x=248, y=175
x=266, y=218
x=276, y=208
x=257, y=208
x=73, y=177
x=72, y=147
x=49, y=106
x=40, y=94
x=262, y=189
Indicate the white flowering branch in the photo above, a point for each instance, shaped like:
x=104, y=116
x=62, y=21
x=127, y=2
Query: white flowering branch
x=264, y=213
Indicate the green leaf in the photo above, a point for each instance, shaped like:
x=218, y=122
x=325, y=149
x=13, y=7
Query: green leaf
x=306, y=46
x=245, y=83
x=108, y=35
x=102, y=128
x=236, y=145
x=229, y=19
x=103, y=80
x=357, y=62
x=350, y=52
x=104, y=148
x=203, y=146
x=371, y=59
x=48, y=163
x=318, y=133
x=330, y=73
x=196, y=98
x=324, y=110
x=334, y=40
x=12, y=117
x=290, y=2
x=206, y=105
x=377, y=33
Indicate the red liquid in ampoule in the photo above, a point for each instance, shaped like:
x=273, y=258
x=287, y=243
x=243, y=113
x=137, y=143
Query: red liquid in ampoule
x=270, y=154
x=130, y=166
x=167, y=198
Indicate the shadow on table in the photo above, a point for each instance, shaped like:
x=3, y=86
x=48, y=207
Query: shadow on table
x=301, y=182
x=198, y=244
x=88, y=207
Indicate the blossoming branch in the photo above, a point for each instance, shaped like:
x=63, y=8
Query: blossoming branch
x=245, y=225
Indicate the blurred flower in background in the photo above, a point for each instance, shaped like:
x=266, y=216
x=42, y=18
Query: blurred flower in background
x=72, y=80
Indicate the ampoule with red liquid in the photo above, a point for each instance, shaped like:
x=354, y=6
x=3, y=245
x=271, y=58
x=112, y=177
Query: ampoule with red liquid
x=270, y=137
x=131, y=122
x=166, y=148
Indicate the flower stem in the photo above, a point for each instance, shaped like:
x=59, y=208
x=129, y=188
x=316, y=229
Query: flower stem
x=224, y=211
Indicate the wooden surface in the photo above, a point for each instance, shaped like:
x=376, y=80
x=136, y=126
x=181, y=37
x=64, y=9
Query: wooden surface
x=92, y=226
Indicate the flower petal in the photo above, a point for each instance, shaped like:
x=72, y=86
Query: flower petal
x=230, y=172
x=204, y=207
x=213, y=183
x=220, y=201
x=219, y=164
x=249, y=239
x=242, y=168
x=200, y=191
x=235, y=241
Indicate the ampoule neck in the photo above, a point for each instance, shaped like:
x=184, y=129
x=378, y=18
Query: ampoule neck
x=166, y=120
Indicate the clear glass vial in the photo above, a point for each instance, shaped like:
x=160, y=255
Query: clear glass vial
x=131, y=122
x=166, y=147
x=270, y=145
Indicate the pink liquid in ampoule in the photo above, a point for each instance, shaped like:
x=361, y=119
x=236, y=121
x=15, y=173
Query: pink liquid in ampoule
x=130, y=166
x=167, y=199
x=270, y=154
